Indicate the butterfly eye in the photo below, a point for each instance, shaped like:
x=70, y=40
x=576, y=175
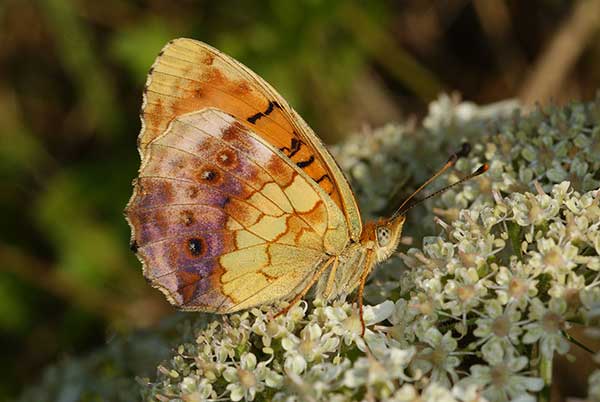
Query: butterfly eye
x=383, y=236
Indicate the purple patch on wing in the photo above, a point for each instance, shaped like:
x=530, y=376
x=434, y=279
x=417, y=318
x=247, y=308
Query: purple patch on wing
x=188, y=265
x=191, y=281
x=181, y=251
x=156, y=224
x=158, y=191
x=189, y=170
x=166, y=259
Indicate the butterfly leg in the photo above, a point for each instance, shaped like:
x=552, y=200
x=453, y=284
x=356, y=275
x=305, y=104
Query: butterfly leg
x=363, y=279
x=304, y=291
x=331, y=279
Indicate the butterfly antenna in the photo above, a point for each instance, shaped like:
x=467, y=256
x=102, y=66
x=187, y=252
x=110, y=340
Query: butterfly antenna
x=462, y=152
x=482, y=169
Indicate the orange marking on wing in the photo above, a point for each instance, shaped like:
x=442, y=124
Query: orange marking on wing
x=192, y=192
x=235, y=133
x=242, y=88
x=187, y=217
x=269, y=257
x=288, y=229
x=189, y=282
x=317, y=217
x=244, y=213
x=160, y=220
x=300, y=234
x=154, y=113
x=298, y=237
x=209, y=58
x=207, y=144
x=210, y=175
x=269, y=278
x=280, y=171
x=216, y=283
x=227, y=158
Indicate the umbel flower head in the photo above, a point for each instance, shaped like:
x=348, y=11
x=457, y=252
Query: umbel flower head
x=473, y=314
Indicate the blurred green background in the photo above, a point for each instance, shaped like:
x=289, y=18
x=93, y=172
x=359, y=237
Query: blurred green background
x=70, y=92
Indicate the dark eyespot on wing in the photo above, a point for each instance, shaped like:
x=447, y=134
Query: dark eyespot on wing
x=208, y=175
x=227, y=158
x=196, y=246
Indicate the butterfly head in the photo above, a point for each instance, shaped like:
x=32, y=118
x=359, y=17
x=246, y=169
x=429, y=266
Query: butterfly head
x=387, y=235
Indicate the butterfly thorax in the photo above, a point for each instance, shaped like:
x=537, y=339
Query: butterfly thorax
x=377, y=243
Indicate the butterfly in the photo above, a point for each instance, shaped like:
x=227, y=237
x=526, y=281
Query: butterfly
x=238, y=203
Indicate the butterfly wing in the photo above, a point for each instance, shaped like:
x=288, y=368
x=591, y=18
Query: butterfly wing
x=189, y=76
x=222, y=220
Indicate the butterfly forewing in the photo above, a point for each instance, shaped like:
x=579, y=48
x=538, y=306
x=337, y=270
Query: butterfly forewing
x=191, y=76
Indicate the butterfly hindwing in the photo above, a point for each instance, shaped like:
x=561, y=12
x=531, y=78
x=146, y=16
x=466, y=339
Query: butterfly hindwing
x=223, y=221
x=191, y=76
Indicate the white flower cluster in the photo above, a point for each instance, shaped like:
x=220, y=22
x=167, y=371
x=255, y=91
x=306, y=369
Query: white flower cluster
x=544, y=148
x=483, y=309
x=305, y=356
x=506, y=278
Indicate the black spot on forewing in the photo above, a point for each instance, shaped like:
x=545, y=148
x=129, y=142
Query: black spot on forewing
x=295, y=146
x=303, y=164
x=252, y=119
x=195, y=246
x=272, y=105
x=325, y=176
